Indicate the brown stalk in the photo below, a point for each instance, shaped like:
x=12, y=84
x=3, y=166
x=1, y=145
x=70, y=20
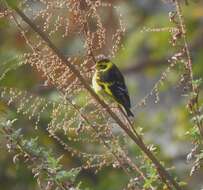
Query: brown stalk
x=163, y=173
x=189, y=64
x=183, y=32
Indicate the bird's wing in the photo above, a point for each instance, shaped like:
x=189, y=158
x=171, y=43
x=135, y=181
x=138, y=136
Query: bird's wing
x=118, y=87
x=120, y=93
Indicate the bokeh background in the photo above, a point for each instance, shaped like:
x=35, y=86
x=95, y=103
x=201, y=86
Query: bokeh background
x=142, y=59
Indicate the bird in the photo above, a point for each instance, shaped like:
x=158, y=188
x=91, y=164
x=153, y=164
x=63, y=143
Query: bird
x=109, y=81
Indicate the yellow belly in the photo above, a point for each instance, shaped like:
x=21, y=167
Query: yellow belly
x=103, y=93
x=97, y=88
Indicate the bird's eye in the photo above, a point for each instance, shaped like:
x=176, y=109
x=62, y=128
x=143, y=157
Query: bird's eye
x=102, y=66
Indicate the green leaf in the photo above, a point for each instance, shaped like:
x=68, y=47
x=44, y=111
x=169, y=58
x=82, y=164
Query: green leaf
x=12, y=3
x=8, y=64
x=67, y=175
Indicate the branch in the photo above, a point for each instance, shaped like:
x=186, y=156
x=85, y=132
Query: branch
x=146, y=63
x=163, y=173
x=141, y=65
x=188, y=65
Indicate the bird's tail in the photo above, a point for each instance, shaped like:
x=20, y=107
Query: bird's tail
x=129, y=112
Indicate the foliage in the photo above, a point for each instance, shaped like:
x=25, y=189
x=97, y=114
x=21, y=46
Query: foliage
x=45, y=167
x=73, y=136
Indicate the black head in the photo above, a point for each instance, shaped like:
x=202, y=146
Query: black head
x=103, y=62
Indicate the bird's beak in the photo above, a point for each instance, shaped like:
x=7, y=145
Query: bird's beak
x=96, y=66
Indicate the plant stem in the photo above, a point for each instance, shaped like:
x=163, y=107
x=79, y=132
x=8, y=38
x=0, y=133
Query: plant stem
x=189, y=64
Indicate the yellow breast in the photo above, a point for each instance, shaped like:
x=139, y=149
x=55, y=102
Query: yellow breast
x=97, y=88
x=102, y=92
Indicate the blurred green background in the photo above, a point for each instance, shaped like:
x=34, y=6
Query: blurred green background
x=142, y=60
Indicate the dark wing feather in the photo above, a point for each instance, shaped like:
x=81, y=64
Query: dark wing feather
x=117, y=87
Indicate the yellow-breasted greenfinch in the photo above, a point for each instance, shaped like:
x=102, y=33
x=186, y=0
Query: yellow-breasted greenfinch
x=108, y=80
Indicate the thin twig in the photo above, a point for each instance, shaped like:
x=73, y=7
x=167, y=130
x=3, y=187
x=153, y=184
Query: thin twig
x=183, y=31
x=196, y=111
